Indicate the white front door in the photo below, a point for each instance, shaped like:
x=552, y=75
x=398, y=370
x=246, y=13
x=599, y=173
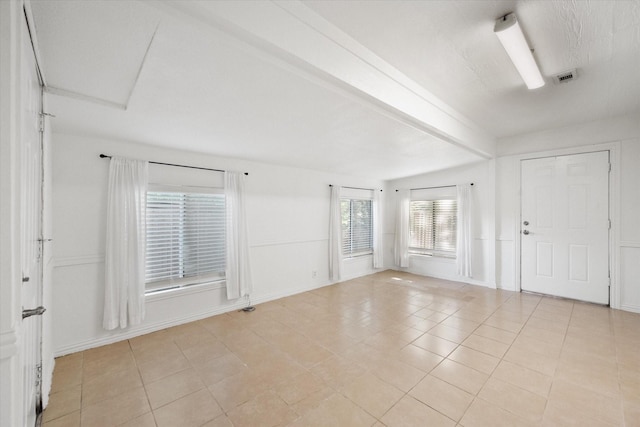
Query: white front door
x=31, y=232
x=565, y=226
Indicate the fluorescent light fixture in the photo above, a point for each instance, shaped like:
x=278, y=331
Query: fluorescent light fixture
x=510, y=35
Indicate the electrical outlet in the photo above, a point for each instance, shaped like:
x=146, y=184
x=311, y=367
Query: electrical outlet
x=314, y=274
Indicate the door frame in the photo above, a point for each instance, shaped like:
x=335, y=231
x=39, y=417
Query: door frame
x=12, y=15
x=38, y=321
x=614, y=209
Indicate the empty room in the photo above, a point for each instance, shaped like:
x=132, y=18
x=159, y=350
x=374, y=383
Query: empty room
x=319, y=213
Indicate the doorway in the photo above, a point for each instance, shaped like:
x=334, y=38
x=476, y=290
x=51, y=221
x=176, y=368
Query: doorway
x=565, y=226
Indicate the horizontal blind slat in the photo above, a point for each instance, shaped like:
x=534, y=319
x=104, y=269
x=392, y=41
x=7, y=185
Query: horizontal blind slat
x=433, y=225
x=357, y=226
x=185, y=236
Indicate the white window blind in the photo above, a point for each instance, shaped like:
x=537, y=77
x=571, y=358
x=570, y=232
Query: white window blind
x=185, y=238
x=357, y=227
x=432, y=226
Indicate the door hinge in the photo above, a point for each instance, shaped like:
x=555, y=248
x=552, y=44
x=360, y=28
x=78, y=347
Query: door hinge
x=609, y=224
x=609, y=167
x=42, y=116
x=38, y=375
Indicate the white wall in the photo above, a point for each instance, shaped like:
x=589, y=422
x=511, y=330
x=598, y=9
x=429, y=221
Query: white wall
x=497, y=199
x=629, y=244
x=11, y=106
x=620, y=135
x=483, y=228
x=598, y=131
x=288, y=220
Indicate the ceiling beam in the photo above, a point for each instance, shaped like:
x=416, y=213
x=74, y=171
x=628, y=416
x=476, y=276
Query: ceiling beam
x=296, y=34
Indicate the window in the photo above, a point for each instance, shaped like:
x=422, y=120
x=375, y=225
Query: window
x=357, y=227
x=185, y=238
x=432, y=226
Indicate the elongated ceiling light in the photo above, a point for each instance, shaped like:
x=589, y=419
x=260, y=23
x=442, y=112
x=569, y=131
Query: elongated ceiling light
x=510, y=35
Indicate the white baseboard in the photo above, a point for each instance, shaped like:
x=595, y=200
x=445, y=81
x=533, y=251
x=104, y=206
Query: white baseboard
x=157, y=326
x=453, y=279
x=631, y=308
x=356, y=276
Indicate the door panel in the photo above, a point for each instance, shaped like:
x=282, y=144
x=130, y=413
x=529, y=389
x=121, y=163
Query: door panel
x=544, y=259
x=31, y=230
x=565, y=227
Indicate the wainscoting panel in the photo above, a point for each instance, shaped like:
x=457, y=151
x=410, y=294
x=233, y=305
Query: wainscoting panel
x=630, y=276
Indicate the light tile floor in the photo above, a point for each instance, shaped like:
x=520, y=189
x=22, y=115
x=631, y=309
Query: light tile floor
x=388, y=349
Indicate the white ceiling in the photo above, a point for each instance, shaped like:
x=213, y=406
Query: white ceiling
x=224, y=77
x=449, y=48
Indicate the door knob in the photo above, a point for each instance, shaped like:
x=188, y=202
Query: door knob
x=526, y=223
x=525, y=232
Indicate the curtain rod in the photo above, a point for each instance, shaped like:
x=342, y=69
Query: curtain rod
x=430, y=188
x=356, y=188
x=104, y=156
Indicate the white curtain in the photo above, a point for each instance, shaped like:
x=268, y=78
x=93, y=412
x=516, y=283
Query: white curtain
x=401, y=244
x=126, y=245
x=335, y=234
x=238, y=271
x=464, y=240
x=378, y=247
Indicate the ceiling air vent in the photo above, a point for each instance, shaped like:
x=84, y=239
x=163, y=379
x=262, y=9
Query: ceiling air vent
x=566, y=77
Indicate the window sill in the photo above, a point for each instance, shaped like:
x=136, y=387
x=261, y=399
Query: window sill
x=184, y=290
x=357, y=257
x=438, y=258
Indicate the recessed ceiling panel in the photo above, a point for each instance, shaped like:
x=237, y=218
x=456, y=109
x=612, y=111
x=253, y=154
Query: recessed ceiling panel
x=94, y=48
